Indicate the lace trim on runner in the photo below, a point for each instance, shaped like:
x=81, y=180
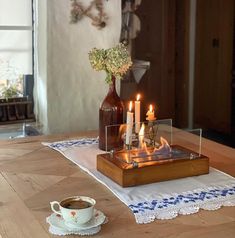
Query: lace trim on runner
x=184, y=204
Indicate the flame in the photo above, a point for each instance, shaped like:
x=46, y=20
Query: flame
x=138, y=97
x=142, y=143
x=150, y=108
x=130, y=106
x=163, y=148
x=127, y=158
x=141, y=133
x=164, y=141
x=145, y=153
x=141, y=136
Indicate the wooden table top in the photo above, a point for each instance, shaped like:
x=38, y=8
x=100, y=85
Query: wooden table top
x=32, y=175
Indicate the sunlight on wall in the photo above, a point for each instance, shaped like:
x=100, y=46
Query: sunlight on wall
x=73, y=90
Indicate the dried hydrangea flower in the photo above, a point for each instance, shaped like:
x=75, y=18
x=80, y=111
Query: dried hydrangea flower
x=115, y=61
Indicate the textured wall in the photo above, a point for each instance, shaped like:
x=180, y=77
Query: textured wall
x=74, y=90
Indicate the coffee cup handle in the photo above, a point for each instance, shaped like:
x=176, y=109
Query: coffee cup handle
x=53, y=209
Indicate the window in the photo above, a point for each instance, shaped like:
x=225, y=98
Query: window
x=16, y=47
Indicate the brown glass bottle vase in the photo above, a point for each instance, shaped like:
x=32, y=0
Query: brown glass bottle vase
x=110, y=113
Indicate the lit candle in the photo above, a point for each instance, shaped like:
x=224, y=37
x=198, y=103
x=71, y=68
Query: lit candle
x=137, y=114
x=129, y=122
x=150, y=114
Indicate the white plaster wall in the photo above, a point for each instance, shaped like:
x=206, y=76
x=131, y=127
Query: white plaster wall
x=74, y=90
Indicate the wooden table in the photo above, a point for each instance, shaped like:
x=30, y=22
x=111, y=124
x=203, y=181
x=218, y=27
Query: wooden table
x=32, y=175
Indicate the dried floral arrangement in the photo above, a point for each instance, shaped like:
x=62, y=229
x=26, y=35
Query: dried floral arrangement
x=115, y=61
x=78, y=11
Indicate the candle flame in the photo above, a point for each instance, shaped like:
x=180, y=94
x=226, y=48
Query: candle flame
x=138, y=97
x=150, y=108
x=130, y=106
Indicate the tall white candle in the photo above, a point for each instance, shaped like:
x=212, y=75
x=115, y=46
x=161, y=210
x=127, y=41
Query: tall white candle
x=137, y=114
x=129, y=122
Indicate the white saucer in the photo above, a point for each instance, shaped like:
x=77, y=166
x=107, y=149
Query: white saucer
x=56, y=221
x=97, y=219
x=61, y=232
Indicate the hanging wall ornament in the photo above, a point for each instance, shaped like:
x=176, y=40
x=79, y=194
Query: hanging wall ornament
x=131, y=24
x=95, y=11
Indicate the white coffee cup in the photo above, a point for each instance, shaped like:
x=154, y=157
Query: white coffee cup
x=75, y=210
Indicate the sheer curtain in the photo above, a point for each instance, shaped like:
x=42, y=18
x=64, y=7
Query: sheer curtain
x=16, y=35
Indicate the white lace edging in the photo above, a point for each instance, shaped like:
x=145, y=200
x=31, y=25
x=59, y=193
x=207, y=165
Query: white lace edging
x=60, y=232
x=173, y=212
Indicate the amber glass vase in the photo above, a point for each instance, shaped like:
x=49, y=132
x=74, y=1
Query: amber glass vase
x=110, y=113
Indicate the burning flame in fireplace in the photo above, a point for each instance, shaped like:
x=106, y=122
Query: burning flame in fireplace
x=144, y=153
x=164, y=147
x=141, y=137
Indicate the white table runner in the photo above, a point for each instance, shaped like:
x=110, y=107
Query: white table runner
x=163, y=200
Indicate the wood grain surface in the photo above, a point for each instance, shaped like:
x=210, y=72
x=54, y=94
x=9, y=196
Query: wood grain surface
x=32, y=175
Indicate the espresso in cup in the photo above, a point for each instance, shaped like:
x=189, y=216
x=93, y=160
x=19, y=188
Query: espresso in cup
x=75, y=210
x=76, y=204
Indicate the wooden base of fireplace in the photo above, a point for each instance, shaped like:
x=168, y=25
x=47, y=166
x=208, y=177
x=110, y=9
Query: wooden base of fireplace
x=155, y=171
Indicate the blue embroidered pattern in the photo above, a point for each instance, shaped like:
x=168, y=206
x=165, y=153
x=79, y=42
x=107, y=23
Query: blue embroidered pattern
x=182, y=199
x=80, y=142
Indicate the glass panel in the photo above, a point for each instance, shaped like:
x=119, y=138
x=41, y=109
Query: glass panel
x=115, y=137
x=16, y=12
x=190, y=139
x=16, y=48
x=122, y=136
x=157, y=141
